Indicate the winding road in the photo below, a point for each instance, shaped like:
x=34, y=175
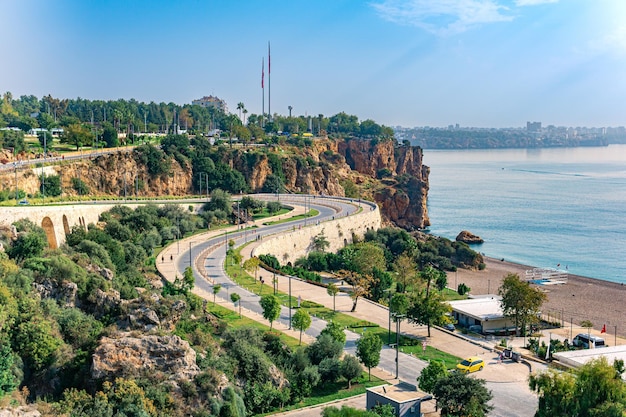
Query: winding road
x=207, y=256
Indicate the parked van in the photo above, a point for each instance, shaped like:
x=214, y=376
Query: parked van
x=583, y=340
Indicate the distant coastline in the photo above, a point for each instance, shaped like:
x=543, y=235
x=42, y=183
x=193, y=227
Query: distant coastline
x=533, y=136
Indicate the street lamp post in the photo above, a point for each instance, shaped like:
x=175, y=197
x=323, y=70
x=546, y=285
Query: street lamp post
x=207, y=186
x=190, y=254
x=398, y=318
x=289, y=302
x=178, y=234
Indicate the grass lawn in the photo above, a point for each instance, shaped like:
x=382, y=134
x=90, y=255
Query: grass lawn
x=232, y=319
x=310, y=213
x=431, y=354
x=264, y=213
x=244, y=279
x=451, y=295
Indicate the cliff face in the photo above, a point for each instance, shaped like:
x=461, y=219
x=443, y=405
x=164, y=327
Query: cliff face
x=392, y=176
x=403, y=199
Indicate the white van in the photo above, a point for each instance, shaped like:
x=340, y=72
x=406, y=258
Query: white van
x=583, y=340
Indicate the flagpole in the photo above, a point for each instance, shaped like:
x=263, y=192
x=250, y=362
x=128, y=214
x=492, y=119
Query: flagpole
x=269, y=83
x=263, y=92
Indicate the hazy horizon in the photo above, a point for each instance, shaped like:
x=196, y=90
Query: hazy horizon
x=478, y=63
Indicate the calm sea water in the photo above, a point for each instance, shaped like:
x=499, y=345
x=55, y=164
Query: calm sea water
x=540, y=207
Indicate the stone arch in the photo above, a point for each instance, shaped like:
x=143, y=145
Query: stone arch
x=84, y=222
x=48, y=227
x=66, y=225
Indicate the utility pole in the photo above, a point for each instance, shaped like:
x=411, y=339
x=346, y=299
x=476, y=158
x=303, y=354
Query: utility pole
x=16, y=189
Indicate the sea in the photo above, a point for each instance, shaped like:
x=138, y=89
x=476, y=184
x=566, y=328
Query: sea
x=562, y=208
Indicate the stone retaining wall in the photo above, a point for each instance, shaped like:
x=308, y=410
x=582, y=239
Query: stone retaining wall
x=57, y=221
x=289, y=246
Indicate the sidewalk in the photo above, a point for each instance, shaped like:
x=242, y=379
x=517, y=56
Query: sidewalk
x=445, y=341
x=366, y=309
x=170, y=255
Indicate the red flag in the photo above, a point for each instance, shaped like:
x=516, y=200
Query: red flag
x=603, y=329
x=263, y=73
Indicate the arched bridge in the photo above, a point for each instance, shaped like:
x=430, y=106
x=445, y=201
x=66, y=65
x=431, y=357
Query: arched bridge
x=57, y=221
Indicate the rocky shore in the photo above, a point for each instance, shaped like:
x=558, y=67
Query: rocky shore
x=581, y=298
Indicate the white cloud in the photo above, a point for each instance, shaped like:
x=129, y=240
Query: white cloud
x=521, y=3
x=443, y=17
x=449, y=17
x=613, y=43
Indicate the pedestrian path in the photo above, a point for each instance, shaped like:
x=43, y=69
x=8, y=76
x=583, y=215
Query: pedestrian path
x=366, y=310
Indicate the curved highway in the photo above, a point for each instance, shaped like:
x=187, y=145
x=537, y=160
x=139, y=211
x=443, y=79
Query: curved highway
x=212, y=254
x=207, y=259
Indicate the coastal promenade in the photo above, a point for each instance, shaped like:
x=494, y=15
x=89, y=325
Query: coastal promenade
x=507, y=380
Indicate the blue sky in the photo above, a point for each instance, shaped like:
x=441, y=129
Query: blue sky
x=482, y=63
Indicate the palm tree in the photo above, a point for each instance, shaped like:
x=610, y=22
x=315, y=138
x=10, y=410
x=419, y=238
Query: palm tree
x=245, y=111
x=240, y=107
x=290, y=109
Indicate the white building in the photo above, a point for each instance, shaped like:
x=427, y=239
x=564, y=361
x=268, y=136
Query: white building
x=482, y=314
x=211, y=101
x=577, y=358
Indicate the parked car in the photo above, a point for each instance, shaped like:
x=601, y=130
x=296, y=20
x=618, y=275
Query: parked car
x=23, y=202
x=471, y=364
x=585, y=341
x=449, y=327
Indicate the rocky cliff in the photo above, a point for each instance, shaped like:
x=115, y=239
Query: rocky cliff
x=392, y=175
x=404, y=191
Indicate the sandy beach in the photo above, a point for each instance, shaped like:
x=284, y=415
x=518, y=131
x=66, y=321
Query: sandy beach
x=582, y=298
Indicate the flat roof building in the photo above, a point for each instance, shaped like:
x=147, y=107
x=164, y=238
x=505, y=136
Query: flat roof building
x=482, y=314
x=406, y=400
x=577, y=358
x=211, y=101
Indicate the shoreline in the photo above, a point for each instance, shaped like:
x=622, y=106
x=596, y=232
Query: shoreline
x=581, y=298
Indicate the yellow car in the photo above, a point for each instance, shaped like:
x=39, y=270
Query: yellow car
x=471, y=364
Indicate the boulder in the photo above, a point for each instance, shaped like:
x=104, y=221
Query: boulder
x=469, y=238
x=106, y=302
x=21, y=411
x=64, y=293
x=143, y=318
x=125, y=354
x=105, y=273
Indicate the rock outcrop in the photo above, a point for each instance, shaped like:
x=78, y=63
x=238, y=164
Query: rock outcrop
x=403, y=199
x=21, y=411
x=124, y=355
x=469, y=238
x=320, y=167
x=106, y=302
x=64, y=292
